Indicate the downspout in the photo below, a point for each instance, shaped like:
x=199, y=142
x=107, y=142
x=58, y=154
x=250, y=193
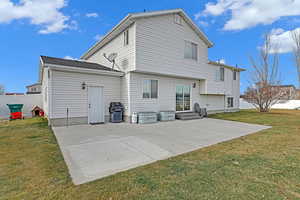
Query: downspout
x=224, y=102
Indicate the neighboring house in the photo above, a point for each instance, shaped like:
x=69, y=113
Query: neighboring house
x=298, y=94
x=286, y=92
x=289, y=92
x=162, y=64
x=34, y=89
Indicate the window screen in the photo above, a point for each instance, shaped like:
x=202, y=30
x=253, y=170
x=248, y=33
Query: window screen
x=191, y=50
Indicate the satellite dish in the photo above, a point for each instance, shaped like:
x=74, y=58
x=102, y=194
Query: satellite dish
x=112, y=57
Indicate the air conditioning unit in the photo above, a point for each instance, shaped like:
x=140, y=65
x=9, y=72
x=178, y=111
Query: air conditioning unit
x=147, y=117
x=166, y=116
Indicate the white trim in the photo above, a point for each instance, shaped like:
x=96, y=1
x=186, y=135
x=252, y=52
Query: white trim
x=94, y=85
x=108, y=37
x=191, y=98
x=83, y=70
x=197, y=50
x=168, y=75
x=150, y=98
x=126, y=37
x=102, y=106
x=233, y=106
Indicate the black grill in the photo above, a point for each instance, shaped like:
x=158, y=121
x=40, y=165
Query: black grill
x=116, y=110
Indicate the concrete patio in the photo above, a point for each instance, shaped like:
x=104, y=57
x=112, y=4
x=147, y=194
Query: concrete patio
x=93, y=152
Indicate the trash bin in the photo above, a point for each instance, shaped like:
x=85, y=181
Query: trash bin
x=15, y=111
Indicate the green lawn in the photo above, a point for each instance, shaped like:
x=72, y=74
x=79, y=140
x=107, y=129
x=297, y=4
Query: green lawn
x=265, y=165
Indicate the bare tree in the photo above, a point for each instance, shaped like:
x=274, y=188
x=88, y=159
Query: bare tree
x=264, y=91
x=2, y=89
x=296, y=39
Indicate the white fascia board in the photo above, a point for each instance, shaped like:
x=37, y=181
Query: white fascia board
x=107, y=37
x=170, y=75
x=83, y=70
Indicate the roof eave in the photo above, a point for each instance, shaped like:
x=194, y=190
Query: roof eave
x=83, y=70
x=103, y=40
x=227, y=66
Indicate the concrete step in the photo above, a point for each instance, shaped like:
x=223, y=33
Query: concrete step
x=190, y=118
x=187, y=116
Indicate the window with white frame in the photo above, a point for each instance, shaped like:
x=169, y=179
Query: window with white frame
x=230, y=102
x=234, y=75
x=191, y=50
x=150, y=89
x=126, y=37
x=177, y=19
x=220, y=74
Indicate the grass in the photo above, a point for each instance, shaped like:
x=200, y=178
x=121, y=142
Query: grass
x=265, y=165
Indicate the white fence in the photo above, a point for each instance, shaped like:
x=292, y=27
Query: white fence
x=29, y=102
x=288, y=104
x=245, y=105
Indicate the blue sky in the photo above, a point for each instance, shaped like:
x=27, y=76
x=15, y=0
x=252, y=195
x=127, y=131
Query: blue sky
x=60, y=28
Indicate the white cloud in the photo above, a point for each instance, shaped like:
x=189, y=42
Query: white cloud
x=92, y=15
x=69, y=58
x=45, y=13
x=250, y=13
x=222, y=61
x=282, y=40
x=203, y=23
x=98, y=37
x=277, y=31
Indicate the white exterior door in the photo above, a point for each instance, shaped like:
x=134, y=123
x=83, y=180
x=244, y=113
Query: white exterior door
x=95, y=105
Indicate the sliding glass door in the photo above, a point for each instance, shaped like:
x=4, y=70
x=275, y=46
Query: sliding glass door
x=183, y=98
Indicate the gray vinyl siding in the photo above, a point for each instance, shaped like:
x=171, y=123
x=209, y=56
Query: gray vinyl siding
x=67, y=93
x=116, y=45
x=213, y=102
x=166, y=93
x=160, y=47
x=167, y=96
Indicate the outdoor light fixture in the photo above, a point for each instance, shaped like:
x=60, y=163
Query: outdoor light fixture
x=194, y=85
x=83, y=85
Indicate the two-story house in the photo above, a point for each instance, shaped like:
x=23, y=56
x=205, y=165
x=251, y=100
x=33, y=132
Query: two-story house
x=150, y=61
x=34, y=89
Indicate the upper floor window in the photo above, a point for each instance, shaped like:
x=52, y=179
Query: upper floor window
x=126, y=37
x=220, y=74
x=234, y=75
x=191, y=50
x=150, y=89
x=177, y=19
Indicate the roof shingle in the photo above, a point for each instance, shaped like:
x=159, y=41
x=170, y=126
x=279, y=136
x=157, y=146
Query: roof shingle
x=74, y=63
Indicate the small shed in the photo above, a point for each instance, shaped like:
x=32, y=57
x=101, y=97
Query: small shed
x=37, y=112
